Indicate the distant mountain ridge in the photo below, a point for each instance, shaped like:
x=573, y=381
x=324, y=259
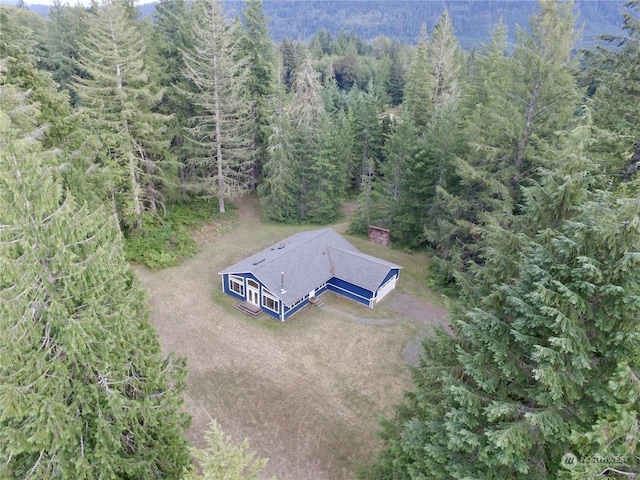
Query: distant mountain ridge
x=473, y=20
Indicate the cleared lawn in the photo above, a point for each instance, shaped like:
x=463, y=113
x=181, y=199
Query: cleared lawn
x=307, y=393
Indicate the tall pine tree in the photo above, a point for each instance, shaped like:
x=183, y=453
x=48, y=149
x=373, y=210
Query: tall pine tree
x=117, y=97
x=256, y=46
x=539, y=332
x=416, y=98
x=222, y=152
x=278, y=190
x=85, y=391
x=171, y=36
x=617, y=74
x=513, y=109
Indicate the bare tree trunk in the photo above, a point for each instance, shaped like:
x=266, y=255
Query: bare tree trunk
x=135, y=190
x=528, y=123
x=633, y=166
x=216, y=106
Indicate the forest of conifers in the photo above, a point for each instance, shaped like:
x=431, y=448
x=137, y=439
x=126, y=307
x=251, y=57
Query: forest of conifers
x=514, y=167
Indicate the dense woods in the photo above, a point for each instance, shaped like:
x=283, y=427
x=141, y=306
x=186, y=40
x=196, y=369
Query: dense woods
x=514, y=165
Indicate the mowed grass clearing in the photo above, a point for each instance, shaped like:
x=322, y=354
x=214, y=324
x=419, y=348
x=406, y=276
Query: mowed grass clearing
x=308, y=393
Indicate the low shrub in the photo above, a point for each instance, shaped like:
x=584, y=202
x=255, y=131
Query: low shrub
x=166, y=241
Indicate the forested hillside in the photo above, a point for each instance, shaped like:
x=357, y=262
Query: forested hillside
x=514, y=166
x=401, y=20
x=472, y=19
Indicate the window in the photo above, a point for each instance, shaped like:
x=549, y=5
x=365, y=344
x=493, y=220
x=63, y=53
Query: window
x=298, y=302
x=236, y=284
x=269, y=301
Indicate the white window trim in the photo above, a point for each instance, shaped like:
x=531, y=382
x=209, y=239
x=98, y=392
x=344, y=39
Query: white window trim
x=298, y=302
x=266, y=293
x=233, y=279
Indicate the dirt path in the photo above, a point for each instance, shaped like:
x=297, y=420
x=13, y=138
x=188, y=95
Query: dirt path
x=308, y=393
x=406, y=307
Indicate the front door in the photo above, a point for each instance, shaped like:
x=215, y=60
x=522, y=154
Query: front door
x=253, y=293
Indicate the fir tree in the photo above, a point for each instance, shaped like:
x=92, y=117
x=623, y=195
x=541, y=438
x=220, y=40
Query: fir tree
x=368, y=138
x=617, y=79
x=222, y=153
x=444, y=66
x=18, y=46
x=222, y=460
x=85, y=392
x=417, y=94
x=65, y=27
x=117, y=98
x=539, y=332
x=171, y=36
x=545, y=76
x=428, y=168
x=288, y=59
x=513, y=109
x=326, y=191
x=256, y=47
x=279, y=189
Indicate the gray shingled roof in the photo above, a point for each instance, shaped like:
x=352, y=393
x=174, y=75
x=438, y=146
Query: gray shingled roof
x=308, y=259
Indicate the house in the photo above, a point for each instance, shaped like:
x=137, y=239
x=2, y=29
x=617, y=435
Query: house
x=287, y=276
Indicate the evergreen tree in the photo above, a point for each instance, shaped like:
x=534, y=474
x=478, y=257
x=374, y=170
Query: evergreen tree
x=306, y=108
x=444, y=66
x=514, y=107
x=326, y=191
x=417, y=93
x=85, y=392
x=544, y=334
x=256, y=47
x=433, y=77
x=222, y=153
x=395, y=82
x=64, y=28
x=546, y=77
x=428, y=166
x=368, y=138
x=18, y=45
x=288, y=58
x=373, y=207
x=171, y=36
x=279, y=189
x=306, y=114
x=304, y=177
x=117, y=98
x=617, y=79
x=380, y=192
x=222, y=460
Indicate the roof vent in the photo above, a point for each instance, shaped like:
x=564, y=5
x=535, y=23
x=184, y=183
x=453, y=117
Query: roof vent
x=259, y=261
x=281, y=246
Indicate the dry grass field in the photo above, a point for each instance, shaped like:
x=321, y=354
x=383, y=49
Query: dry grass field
x=307, y=393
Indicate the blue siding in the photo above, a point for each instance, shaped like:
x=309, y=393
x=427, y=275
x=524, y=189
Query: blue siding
x=350, y=290
x=226, y=289
x=271, y=312
x=392, y=273
x=291, y=311
x=341, y=287
x=245, y=276
x=320, y=291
